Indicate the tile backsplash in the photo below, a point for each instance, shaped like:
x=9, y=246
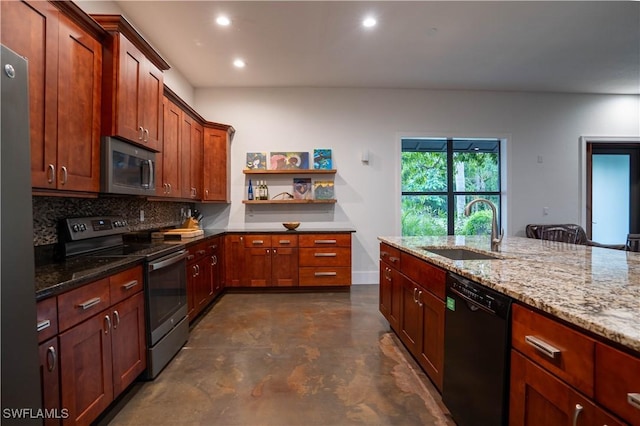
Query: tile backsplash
x=48, y=211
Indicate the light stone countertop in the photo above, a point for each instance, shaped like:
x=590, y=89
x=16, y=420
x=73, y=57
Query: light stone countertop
x=594, y=288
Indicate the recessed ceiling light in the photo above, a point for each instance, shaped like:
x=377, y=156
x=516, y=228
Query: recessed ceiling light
x=223, y=21
x=369, y=22
x=239, y=63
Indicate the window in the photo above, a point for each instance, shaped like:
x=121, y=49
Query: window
x=440, y=176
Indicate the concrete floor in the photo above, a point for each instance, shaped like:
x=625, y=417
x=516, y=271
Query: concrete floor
x=324, y=358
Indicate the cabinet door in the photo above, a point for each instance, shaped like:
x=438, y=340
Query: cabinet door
x=258, y=267
x=86, y=369
x=539, y=398
x=204, y=291
x=234, y=261
x=385, y=291
x=129, y=103
x=152, y=81
x=284, y=267
x=216, y=166
x=50, y=377
x=168, y=185
x=192, y=278
x=196, y=160
x=432, y=341
x=128, y=342
x=410, y=321
x=186, y=129
x=79, y=102
x=31, y=30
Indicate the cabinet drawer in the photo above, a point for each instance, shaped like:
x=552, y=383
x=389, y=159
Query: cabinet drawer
x=325, y=240
x=618, y=382
x=197, y=251
x=47, y=319
x=390, y=255
x=325, y=276
x=257, y=240
x=284, y=240
x=125, y=284
x=82, y=303
x=566, y=353
x=214, y=245
x=428, y=276
x=338, y=256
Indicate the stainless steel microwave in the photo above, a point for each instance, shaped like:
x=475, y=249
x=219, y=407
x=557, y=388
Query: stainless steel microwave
x=127, y=168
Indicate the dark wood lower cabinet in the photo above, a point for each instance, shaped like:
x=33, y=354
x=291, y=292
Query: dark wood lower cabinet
x=86, y=369
x=100, y=357
x=50, y=378
x=539, y=398
x=431, y=344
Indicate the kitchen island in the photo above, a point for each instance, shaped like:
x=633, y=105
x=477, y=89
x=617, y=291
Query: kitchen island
x=594, y=288
x=575, y=321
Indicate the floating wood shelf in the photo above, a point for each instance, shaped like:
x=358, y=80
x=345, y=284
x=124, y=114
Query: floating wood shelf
x=333, y=201
x=290, y=172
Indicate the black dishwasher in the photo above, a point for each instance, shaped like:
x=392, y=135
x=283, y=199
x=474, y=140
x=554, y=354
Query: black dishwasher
x=476, y=353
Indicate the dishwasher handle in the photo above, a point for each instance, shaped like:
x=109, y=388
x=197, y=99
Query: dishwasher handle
x=472, y=305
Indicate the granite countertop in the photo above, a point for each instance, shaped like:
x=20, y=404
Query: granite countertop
x=595, y=288
x=55, y=278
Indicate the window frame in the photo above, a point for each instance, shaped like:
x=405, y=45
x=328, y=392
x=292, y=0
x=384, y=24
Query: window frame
x=449, y=193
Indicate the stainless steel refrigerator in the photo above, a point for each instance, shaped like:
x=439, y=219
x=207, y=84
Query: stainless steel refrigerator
x=21, y=400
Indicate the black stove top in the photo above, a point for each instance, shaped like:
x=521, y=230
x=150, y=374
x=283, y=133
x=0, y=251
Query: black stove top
x=149, y=250
x=110, y=236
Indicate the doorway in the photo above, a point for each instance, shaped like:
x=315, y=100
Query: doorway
x=613, y=191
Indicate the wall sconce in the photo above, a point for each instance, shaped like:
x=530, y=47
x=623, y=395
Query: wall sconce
x=365, y=157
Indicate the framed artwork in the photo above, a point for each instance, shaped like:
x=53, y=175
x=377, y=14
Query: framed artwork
x=323, y=190
x=256, y=160
x=302, y=189
x=288, y=160
x=322, y=159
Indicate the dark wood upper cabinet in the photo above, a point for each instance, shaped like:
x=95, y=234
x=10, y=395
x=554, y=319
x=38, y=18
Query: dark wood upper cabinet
x=133, y=85
x=63, y=47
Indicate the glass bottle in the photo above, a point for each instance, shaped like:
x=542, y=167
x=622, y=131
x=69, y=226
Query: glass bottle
x=250, y=192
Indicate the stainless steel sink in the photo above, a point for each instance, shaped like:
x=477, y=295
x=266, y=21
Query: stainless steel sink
x=460, y=253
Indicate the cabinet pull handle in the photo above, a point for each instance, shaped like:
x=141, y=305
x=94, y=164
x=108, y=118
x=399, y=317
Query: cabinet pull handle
x=576, y=413
x=89, y=303
x=130, y=285
x=116, y=319
x=43, y=325
x=52, y=358
x=394, y=259
x=140, y=132
x=325, y=254
x=419, y=301
x=257, y=242
x=51, y=175
x=326, y=274
x=324, y=241
x=213, y=246
x=634, y=400
x=415, y=299
x=214, y=260
x=146, y=135
x=285, y=241
x=107, y=322
x=201, y=252
x=543, y=347
x=64, y=175
x=191, y=257
x=206, y=192
x=275, y=251
x=384, y=254
x=169, y=188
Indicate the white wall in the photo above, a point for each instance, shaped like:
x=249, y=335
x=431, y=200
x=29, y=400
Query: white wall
x=351, y=120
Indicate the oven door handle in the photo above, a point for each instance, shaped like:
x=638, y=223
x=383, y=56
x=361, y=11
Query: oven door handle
x=168, y=261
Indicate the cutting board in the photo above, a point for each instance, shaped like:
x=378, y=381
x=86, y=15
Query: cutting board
x=182, y=233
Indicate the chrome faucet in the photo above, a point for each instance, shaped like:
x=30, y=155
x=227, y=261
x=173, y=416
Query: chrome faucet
x=496, y=239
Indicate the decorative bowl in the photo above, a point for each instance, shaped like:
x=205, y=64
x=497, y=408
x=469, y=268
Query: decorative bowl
x=291, y=226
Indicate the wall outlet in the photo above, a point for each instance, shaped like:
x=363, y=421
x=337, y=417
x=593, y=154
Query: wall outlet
x=141, y=215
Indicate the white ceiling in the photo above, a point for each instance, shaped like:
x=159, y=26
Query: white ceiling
x=573, y=46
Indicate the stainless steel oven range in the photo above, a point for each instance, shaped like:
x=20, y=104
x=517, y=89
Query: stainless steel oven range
x=164, y=279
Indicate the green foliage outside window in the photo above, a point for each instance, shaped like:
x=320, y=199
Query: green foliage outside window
x=424, y=174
